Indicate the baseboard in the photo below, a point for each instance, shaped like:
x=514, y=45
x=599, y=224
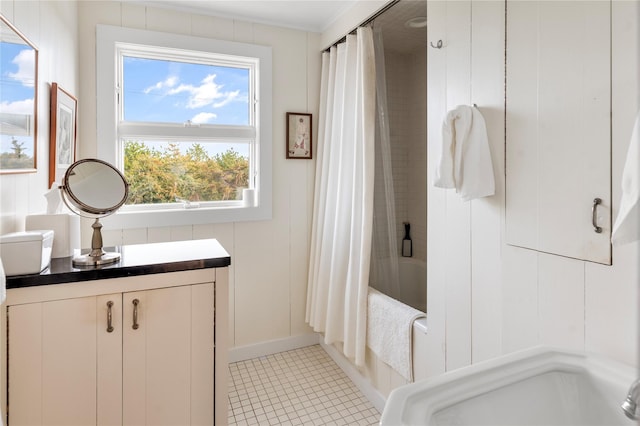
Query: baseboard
x=368, y=390
x=242, y=353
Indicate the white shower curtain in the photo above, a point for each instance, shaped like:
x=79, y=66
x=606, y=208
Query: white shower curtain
x=385, y=274
x=343, y=198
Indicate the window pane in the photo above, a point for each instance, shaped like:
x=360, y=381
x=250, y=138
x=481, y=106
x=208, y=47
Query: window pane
x=176, y=92
x=17, y=62
x=168, y=172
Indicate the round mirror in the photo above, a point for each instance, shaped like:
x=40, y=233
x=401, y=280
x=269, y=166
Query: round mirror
x=93, y=188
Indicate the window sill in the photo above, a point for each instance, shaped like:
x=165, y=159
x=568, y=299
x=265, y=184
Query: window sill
x=181, y=217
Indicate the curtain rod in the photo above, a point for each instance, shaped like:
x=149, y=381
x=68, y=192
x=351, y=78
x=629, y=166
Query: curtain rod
x=366, y=22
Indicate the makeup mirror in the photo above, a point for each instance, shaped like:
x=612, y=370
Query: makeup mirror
x=18, y=97
x=94, y=188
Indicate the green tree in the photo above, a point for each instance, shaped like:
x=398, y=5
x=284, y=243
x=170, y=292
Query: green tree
x=17, y=148
x=168, y=175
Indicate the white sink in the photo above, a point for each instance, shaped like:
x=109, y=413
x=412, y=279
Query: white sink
x=539, y=386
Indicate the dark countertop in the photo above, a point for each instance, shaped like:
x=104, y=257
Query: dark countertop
x=140, y=259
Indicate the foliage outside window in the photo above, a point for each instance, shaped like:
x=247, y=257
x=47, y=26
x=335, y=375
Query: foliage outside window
x=169, y=175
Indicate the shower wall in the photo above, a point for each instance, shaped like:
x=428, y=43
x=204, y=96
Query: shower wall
x=407, y=105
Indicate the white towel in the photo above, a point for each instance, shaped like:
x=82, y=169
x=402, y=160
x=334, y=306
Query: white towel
x=627, y=226
x=390, y=331
x=465, y=161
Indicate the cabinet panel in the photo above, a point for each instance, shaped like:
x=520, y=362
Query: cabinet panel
x=558, y=127
x=134, y=377
x=57, y=341
x=25, y=366
x=202, y=342
x=109, y=360
x=157, y=356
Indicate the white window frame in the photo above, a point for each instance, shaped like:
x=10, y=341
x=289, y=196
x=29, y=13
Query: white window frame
x=110, y=42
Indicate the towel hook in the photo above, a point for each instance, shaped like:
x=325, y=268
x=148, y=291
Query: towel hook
x=438, y=45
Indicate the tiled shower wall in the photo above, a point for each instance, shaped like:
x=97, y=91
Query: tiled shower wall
x=417, y=152
x=406, y=98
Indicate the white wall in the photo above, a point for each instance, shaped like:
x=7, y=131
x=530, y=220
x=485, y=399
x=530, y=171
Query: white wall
x=486, y=298
x=268, y=275
x=350, y=19
x=53, y=27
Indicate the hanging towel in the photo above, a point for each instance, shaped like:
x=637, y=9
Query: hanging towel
x=390, y=331
x=465, y=161
x=627, y=226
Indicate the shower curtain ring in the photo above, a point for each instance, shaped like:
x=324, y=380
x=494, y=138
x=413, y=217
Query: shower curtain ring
x=438, y=44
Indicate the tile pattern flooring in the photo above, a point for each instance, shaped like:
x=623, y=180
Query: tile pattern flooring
x=298, y=387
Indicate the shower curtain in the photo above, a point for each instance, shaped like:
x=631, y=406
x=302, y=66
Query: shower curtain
x=343, y=197
x=385, y=275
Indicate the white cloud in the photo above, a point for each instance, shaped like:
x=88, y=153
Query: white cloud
x=25, y=60
x=17, y=107
x=167, y=83
x=203, y=118
x=230, y=96
x=207, y=93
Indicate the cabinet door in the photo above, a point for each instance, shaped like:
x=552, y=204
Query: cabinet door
x=52, y=370
x=109, y=359
x=558, y=127
x=168, y=356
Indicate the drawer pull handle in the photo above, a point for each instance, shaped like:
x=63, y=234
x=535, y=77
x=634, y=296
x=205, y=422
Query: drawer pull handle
x=109, y=317
x=594, y=215
x=135, y=314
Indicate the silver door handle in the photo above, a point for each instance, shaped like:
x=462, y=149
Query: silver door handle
x=594, y=215
x=135, y=314
x=109, y=317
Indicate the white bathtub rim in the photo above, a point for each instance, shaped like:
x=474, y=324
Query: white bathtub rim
x=413, y=260
x=420, y=325
x=444, y=391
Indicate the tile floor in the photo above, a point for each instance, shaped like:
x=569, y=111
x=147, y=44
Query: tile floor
x=298, y=387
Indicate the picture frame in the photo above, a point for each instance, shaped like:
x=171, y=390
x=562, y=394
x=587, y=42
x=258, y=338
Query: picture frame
x=62, y=132
x=299, y=136
x=19, y=96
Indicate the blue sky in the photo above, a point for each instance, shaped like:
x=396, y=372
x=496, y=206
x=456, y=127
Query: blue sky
x=177, y=92
x=165, y=91
x=17, y=65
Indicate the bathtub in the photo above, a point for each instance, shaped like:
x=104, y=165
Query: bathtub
x=539, y=386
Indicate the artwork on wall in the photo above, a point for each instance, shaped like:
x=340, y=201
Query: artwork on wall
x=18, y=100
x=299, y=135
x=62, y=135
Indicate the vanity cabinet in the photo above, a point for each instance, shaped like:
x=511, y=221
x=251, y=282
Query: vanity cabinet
x=558, y=128
x=148, y=349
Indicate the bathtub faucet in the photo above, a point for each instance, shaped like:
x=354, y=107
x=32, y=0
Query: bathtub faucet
x=630, y=405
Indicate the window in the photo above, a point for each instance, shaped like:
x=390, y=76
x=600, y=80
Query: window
x=188, y=122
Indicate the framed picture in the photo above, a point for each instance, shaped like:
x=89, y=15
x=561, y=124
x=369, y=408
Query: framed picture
x=299, y=144
x=62, y=132
x=18, y=100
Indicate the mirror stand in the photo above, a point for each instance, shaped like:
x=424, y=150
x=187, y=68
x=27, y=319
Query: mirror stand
x=93, y=188
x=97, y=256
